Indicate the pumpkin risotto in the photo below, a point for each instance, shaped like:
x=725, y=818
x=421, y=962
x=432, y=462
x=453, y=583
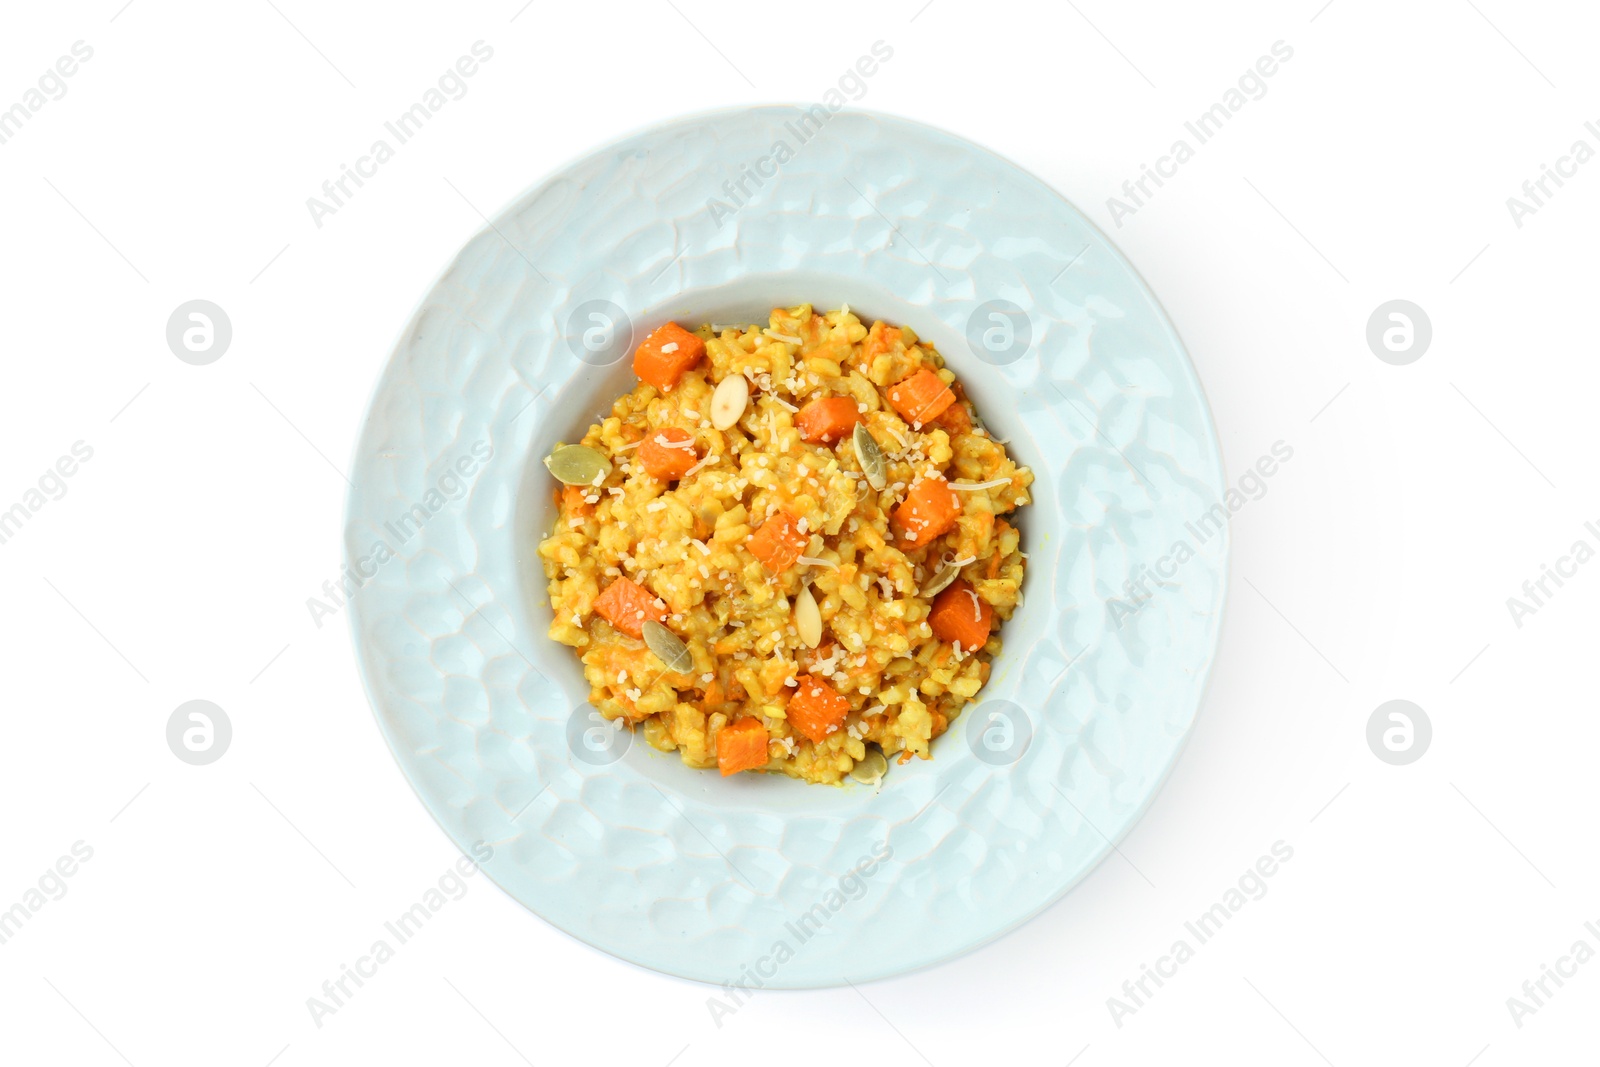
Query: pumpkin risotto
x=785, y=549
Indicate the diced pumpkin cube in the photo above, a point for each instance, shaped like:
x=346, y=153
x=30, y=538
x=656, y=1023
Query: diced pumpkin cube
x=626, y=605
x=666, y=354
x=880, y=339
x=741, y=746
x=921, y=398
x=573, y=502
x=779, y=542
x=929, y=509
x=668, y=453
x=816, y=709
x=961, y=616
x=827, y=420
x=955, y=420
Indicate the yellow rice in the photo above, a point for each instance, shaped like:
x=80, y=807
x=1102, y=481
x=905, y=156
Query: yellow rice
x=685, y=542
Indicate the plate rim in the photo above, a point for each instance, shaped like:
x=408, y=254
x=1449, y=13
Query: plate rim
x=1223, y=564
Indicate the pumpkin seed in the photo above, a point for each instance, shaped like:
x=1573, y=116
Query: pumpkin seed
x=729, y=400
x=940, y=581
x=807, y=618
x=908, y=336
x=870, y=457
x=871, y=769
x=578, y=465
x=668, y=648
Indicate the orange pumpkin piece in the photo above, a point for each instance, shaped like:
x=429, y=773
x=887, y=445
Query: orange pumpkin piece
x=929, y=509
x=625, y=605
x=668, y=453
x=880, y=339
x=827, y=420
x=573, y=502
x=816, y=709
x=779, y=542
x=955, y=420
x=741, y=746
x=921, y=398
x=961, y=617
x=666, y=354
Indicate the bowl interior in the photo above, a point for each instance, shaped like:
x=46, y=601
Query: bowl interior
x=586, y=397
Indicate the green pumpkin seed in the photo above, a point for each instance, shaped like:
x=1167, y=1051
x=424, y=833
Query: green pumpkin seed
x=941, y=581
x=870, y=457
x=668, y=648
x=871, y=769
x=578, y=465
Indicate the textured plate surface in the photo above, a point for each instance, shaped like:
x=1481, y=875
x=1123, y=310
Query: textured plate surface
x=705, y=218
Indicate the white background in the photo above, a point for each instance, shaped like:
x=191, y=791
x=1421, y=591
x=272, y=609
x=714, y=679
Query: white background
x=1419, y=498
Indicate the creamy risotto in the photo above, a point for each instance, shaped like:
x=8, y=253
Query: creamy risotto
x=787, y=548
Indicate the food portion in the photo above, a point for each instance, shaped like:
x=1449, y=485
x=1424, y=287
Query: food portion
x=787, y=549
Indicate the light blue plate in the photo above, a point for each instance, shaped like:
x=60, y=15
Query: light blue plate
x=799, y=886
